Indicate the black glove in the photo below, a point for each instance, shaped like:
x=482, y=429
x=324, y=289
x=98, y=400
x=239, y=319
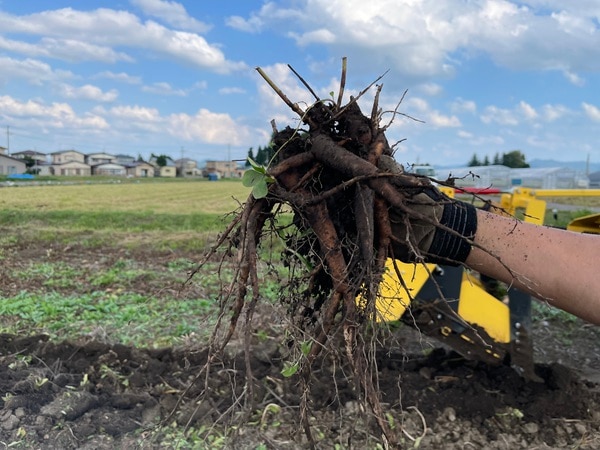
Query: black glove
x=445, y=244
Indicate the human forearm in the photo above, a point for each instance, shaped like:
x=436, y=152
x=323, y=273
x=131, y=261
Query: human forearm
x=553, y=265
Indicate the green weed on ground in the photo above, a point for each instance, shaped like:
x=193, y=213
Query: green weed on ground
x=113, y=220
x=128, y=318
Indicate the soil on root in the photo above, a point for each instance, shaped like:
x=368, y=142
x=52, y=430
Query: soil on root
x=92, y=395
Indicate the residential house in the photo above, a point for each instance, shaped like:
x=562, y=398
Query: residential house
x=124, y=159
x=69, y=163
x=169, y=170
x=166, y=171
x=140, y=169
x=224, y=169
x=187, y=167
x=71, y=168
x=45, y=169
x=11, y=166
x=37, y=157
x=109, y=169
x=64, y=156
x=99, y=158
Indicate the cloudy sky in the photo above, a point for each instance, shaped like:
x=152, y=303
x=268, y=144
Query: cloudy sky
x=169, y=77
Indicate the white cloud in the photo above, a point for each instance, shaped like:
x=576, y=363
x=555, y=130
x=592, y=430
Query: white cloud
x=321, y=36
x=208, y=127
x=493, y=114
x=422, y=110
x=269, y=13
x=251, y=25
x=431, y=89
x=527, y=110
x=573, y=78
x=461, y=105
x=424, y=38
x=163, y=88
x=591, y=111
x=121, y=77
x=33, y=71
x=441, y=120
x=101, y=29
x=55, y=115
x=172, y=13
x=231, y=90
x=510, y=117
x=129, y=119
x=204, y=126
x=416, y=104
x=88, y=92
x=481, y=141
x=65, y=49
x=135, y=113
x=554, y=112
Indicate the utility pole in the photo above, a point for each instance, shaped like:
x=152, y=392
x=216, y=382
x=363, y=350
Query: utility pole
x=182, y=163
x=587, y=165
x=229, y=159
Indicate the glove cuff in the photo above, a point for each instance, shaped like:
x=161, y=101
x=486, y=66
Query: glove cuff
x=455, y=247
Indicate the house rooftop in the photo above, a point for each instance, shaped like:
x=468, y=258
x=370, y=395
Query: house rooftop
x=66, y=151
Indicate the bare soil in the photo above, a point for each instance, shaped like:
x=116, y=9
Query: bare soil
x=96, y=394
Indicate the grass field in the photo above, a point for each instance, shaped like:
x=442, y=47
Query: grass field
x=178, y=208
x=191, y=197
x=78, y=258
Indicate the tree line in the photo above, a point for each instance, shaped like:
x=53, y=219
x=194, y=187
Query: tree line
x=514, y=159
x=262, y=156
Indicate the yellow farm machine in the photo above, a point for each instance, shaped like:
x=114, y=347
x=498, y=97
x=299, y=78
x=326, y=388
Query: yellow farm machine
x=456, y=306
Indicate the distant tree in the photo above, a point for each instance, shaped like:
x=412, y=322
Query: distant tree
x=514, y=159
x=29, y=163
x=161, y=160
x=263, y=155
x=139, y=158
x=497, y=159
x=474, y=161
x=250, y=156
x=486, y=161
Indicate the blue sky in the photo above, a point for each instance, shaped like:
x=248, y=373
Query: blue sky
x=179, y=78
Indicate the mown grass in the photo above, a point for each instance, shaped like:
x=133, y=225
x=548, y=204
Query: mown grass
x=68, y=299
x=128, y=221
x=192, y=197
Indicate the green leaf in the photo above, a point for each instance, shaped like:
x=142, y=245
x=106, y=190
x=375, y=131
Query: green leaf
x=260, y=189
x=289, y=369
x=252, y=178
x=305, y=347
x=256, y=166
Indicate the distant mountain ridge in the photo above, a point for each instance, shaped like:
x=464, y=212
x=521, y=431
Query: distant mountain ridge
x=576, y=165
